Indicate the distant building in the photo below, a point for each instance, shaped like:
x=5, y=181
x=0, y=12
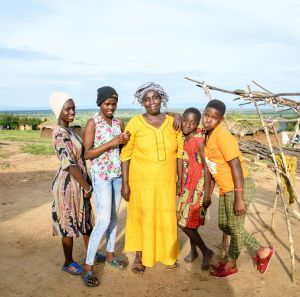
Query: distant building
x=25, y=127
x=47, y=129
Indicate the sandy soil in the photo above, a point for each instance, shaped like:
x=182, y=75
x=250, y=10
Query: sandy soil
x=31, y=257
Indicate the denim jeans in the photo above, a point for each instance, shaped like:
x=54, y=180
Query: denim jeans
x=107, y=195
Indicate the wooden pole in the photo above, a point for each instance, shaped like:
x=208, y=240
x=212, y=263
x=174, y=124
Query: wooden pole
x=281, y=194
x=274, y=210
x=287, y=173
x=264, y=89
x=296, y=128
x=274, y=161
x=266, y=97
x=291, y=242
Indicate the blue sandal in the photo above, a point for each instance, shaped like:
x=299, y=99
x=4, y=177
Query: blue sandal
x=90, y=279
x=117, y=263
x=74, y=268
x=100, y=257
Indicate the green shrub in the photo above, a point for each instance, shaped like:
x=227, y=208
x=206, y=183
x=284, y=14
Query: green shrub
x=9, y=120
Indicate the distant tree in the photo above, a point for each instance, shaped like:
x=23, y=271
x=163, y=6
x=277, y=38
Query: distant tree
x=13, y=121
x=9, y=120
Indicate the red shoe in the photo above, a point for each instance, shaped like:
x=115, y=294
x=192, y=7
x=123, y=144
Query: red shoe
x=263, y=264
x=216, y=267
x=223, y=271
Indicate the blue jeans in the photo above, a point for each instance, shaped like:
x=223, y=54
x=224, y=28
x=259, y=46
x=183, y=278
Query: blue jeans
x=107, y=195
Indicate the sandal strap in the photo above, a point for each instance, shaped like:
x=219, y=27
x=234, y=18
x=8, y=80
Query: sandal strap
x=73, y=268
x=89, y=275
x=100, y=257
x=117, y=262
x=76, y=265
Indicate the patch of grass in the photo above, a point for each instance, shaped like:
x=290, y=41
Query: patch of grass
x=17, y=135
x=38, y=149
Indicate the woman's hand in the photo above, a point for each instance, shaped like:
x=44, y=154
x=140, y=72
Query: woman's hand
x=125, y=191
x=239, y=207
x=178, y=187
x=122, y=138
x=206, y=202
x=127, y=136
x=87, y=194
x=177, y=121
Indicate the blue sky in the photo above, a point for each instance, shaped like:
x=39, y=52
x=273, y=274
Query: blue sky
x=78, y=46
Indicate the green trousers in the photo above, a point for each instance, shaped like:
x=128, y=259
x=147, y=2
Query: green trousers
x=235, y=225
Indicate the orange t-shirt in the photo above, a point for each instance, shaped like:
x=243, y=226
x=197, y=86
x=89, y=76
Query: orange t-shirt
x=220, y=148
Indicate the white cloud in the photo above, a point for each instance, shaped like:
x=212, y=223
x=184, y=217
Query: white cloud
x=229, y=42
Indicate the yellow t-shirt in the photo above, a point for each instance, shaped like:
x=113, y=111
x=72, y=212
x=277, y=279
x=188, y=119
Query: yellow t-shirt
x=220, y=148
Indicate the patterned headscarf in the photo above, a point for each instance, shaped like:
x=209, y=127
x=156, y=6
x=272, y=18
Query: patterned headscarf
x=151, y=86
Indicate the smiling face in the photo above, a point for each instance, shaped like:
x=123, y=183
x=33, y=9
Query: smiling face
x=108, y=108
x=189, y=123
x=67, y=113
x=152, y=102
x=211, y=118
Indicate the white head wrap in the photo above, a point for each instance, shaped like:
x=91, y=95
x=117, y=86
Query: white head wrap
x=151, y=86
x=57, y=101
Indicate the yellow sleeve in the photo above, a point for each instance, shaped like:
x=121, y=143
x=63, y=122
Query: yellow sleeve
x=127, y=149
x=179, y=144
x=228, y=145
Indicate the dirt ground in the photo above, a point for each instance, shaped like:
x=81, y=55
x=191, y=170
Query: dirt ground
x=31, y=257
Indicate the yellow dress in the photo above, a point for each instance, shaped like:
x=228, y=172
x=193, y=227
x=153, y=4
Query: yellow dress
x=151, y=225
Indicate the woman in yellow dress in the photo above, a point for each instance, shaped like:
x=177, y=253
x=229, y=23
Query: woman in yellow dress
x=151, y=171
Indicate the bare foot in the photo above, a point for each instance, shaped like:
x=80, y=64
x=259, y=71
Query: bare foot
x=173, y=266
x=137, y=266
x=263, y=252
x=206, y=259
x=193, y=254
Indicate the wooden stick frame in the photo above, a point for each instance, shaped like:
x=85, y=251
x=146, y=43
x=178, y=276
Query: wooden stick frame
x=267, y=97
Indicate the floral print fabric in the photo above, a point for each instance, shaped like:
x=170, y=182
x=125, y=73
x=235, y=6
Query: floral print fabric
x=108, y=164
x=190, y=212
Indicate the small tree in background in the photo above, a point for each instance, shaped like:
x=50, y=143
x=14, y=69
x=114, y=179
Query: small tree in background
x=13, y=121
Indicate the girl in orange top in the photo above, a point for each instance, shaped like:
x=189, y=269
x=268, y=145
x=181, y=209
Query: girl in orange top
x=227, y=168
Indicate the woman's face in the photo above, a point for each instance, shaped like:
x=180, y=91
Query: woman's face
x=108, y=107
x=152, y=102
x=67, y=113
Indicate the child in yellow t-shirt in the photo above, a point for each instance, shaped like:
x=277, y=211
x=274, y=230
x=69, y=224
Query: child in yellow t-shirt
x=227, y=167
